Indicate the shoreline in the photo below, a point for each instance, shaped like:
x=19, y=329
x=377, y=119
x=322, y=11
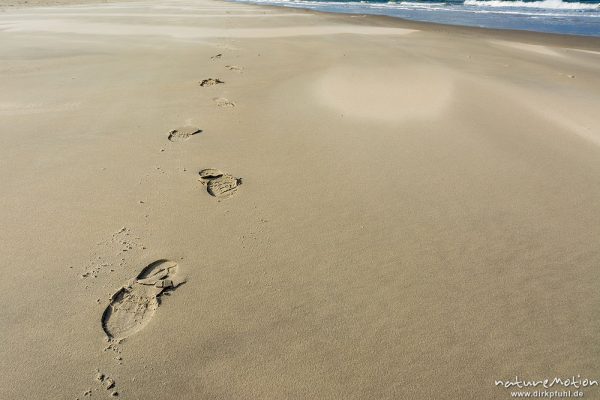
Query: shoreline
x=533, y=37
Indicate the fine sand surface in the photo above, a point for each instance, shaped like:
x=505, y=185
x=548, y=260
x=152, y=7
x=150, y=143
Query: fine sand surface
x=209, y=200
x=8, y=4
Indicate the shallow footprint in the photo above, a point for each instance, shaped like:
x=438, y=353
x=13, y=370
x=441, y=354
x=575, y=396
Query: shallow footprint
x=219, y=184
x=134, y=305
x=223, y=102
x=183, y=133
x=234, y=68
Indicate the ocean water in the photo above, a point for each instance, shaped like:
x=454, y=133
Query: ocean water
x=555, y=16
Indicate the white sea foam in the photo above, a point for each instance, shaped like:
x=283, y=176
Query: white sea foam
x=410, y=3
x=543, y=4
x=553, y=4
x=557, y=16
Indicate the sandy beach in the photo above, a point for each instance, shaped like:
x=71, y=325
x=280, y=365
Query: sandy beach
x=210, y=200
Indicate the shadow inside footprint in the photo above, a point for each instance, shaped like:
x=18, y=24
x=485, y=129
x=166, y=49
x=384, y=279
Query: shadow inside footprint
x=210, y=82
x=219, y=184
x=134, y=305
x=183, y=133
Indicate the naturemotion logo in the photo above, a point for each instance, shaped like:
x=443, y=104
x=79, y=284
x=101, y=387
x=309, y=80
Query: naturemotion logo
x=538, y=388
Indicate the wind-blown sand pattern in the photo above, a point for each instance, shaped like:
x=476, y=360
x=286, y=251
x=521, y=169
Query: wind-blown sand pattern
x=419, y=215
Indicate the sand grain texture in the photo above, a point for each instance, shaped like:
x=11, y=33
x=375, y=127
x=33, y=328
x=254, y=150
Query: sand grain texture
x=419, y=214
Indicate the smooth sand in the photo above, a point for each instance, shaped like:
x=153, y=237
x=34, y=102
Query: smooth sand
x=8, y=4
x=418, y=213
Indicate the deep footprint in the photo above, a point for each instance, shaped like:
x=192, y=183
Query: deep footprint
x=219, y=184
x=210, y=82
x=134, y=305
x=183, y=133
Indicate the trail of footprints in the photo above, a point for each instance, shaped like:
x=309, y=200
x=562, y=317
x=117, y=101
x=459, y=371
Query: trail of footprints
x=218, y=184
x=131, y=308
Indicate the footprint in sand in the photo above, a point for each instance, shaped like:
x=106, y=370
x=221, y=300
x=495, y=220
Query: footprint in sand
x=183, y=133
x=219, y=184
x=216, y=56
x=223, y=102
x=210, y=82
x=234, y=68
x=132, y=306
